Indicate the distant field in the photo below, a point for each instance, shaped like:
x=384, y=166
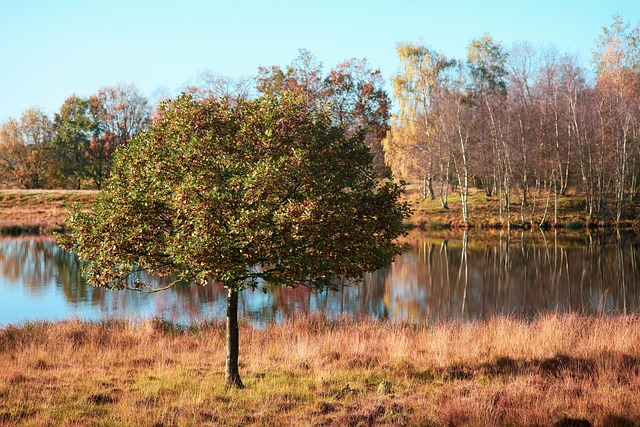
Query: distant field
x=39, y=211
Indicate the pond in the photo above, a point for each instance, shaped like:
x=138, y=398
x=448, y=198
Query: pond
x=461, y=277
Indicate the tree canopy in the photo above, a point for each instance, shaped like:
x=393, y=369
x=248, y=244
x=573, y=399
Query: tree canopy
x=261, y=190
x=25, y=149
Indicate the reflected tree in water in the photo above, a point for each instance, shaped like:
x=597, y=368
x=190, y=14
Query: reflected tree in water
x=36, y=264
x=524, y=273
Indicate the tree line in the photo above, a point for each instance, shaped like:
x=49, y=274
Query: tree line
x=74, y=150
x=521, y=124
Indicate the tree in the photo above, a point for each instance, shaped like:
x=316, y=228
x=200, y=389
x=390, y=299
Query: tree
x=617, y=60
x=26, y=150
x=303, y=74
x=486, y=64
x=209, y=85
x=121, y=112
x=358, y=101
x=413, y=147
x=352, y=91
x=260, y=191
x=520, y=102
x=456, y=120
x=74, y=127
x=553, y=104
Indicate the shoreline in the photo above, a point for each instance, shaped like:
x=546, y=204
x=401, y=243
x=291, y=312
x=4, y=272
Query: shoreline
x=314, y=371
x=43, y=213
x=39, y=212
x=428, y=214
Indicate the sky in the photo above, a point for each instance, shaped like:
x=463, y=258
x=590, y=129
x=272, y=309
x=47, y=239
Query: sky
x=51, y=49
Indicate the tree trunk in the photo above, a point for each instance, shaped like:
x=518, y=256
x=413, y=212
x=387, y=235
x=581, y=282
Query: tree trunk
x=232, y=374
x=432, y=194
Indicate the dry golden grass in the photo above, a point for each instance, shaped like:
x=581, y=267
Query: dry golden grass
x=314, y=371
x=38, y=211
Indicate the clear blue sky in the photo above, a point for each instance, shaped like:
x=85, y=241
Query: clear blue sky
x=50, y=49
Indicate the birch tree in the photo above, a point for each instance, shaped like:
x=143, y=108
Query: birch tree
x=413, y=147
x=617, y=60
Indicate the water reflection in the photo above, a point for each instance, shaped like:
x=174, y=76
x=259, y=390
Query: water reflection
x=462, y=277
x=525, y=275
x=33, y=264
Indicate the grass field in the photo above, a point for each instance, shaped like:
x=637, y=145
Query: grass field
x=556, y=370
x=38, y=211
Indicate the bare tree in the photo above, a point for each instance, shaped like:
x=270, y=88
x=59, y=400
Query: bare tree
x=121, y=113
x=210, y=85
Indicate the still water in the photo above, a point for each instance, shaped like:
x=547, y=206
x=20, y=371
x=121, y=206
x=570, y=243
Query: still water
x=461, y=277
